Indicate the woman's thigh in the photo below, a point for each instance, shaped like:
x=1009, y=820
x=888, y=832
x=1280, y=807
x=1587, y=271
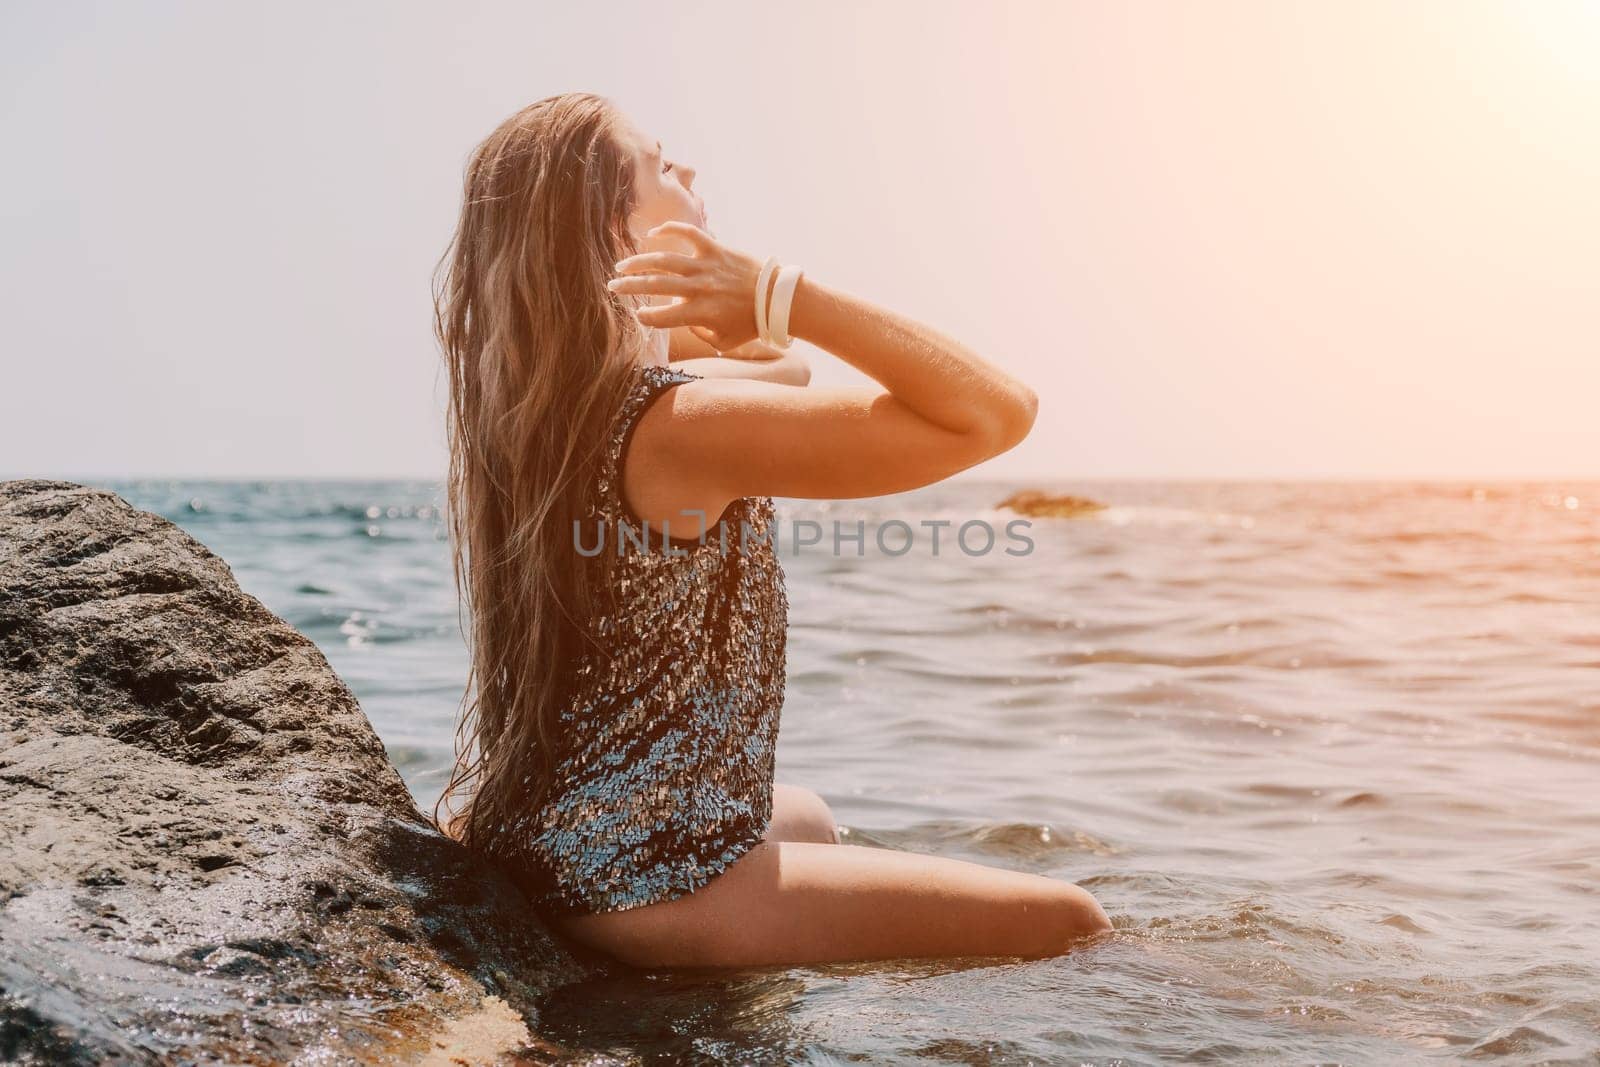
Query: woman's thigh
x=794, y=902
x=799, y=814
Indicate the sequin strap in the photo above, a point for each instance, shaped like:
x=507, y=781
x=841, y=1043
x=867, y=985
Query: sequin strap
x=649, y=382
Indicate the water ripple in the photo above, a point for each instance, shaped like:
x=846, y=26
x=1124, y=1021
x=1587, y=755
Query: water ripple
x=1326, y=752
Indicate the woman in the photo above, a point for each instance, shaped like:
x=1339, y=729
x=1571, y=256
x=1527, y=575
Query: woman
x=617, y=756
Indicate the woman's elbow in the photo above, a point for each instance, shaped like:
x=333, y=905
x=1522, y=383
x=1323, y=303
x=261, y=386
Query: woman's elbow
x=1015, y=420
x=1028, y=411
x=1001, y=433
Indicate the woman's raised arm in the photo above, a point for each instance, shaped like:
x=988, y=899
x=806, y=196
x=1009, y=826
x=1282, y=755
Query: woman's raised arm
x=940, y=408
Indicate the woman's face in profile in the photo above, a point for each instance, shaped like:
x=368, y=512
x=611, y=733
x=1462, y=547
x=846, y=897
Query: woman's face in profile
x=663, y=190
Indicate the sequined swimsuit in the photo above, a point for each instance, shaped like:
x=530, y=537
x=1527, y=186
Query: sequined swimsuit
x=675, y=717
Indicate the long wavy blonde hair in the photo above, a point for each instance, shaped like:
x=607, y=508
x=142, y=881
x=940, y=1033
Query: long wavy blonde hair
x=538, y=352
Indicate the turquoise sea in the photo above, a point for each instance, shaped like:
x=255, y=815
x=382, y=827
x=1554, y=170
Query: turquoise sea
x=1328, y=753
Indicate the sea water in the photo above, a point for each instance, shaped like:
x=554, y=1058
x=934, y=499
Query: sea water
x=1329, y=755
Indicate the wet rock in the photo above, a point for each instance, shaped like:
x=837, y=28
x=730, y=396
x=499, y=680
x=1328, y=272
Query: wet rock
x=1034, y=503
x=205, y=855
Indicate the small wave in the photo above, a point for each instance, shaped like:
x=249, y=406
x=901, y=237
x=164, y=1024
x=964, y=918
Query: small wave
x=1284, y=657
x=1015, y=840
x=1400, y=921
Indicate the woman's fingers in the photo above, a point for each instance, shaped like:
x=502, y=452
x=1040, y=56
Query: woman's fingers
x=668, y=262
x=666, y=315
x=665, y=284
x=711, y=283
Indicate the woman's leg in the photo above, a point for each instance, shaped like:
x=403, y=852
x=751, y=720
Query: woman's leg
x=799, y=814
x=794, y=902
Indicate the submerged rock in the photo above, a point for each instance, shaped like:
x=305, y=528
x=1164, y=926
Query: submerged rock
x=205, y=854
x=1048, y=505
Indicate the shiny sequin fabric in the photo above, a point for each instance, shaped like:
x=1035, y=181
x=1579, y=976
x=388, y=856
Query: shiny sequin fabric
x=674, y=720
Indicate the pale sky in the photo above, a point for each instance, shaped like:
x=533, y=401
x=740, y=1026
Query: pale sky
x=1221, y=239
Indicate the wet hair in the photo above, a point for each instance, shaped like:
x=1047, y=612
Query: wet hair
x=539, y=352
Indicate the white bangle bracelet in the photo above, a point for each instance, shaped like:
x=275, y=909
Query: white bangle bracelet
x=761, y=298
x=782, y=297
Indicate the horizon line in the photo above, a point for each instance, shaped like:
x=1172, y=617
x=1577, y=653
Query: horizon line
x=84, y=479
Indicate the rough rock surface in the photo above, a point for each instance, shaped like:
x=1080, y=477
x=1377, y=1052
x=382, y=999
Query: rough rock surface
x=205, y=855
x=1048, y=505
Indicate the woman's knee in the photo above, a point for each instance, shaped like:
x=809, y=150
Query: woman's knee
x=1070, y=913
x=823, y=821
x=800, y=814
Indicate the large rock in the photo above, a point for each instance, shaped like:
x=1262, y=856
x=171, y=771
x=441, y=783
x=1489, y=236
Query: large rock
x=204, y=853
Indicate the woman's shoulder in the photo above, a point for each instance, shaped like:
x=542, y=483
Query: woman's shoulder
x=662, y=375
x=646, y=381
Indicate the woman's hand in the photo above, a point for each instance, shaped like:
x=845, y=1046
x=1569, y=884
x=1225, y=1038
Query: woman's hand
x=786, y=368
x=755, y=360
x=684, y=344
x=715, y=287
x=755, y=349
